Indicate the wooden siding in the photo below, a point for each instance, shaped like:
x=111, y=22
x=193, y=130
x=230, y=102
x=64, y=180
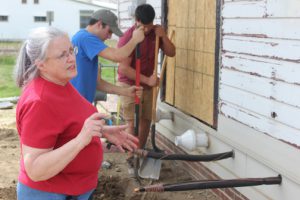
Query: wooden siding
x=260, y=73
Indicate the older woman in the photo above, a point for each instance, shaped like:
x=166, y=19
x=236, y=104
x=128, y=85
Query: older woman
x=59, y=130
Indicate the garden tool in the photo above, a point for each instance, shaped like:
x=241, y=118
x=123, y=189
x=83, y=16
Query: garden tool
x=137, y=107
x=150, y=167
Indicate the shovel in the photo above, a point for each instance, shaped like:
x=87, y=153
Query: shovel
x=150, y=168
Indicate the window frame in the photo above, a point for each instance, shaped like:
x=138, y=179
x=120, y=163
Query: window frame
x=3, y=18
x=84, y=17
x=41, y=19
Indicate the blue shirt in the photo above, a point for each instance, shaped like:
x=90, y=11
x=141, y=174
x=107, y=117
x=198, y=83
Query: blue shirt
x=89, y=46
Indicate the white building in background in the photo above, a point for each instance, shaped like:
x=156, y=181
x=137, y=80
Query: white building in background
x=18, y=17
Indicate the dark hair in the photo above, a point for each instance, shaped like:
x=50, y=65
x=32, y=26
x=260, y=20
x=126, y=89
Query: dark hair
x=145, y=13
x=94, y=21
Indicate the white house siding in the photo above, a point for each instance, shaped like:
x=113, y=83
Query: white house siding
x=126, y=20
x=21, y=16
x=259, y=94
x=260, y=72
x=259, y=75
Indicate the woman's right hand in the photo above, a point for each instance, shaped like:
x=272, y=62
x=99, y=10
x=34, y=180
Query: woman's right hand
x=92, y=127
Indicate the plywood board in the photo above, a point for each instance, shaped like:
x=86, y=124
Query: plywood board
x=170, y=80
x=195, y=57
x=170, y=74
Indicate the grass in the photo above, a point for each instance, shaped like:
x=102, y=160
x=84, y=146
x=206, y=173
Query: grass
x=8, y=87
x=110, y=43
x=10, y=44
x=109, y=70
x=109, y=74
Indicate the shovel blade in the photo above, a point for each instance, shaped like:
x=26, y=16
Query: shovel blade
x=150, y=168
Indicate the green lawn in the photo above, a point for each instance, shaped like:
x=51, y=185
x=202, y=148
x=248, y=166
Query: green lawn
x=8, y=87
x=109, y=74
x=108, y=71
x=10, y=44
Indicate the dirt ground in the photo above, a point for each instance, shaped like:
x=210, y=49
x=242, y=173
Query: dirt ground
x=113, y=184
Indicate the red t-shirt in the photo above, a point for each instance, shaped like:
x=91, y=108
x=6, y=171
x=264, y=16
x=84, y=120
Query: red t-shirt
x=48, y=116
x=147, y=51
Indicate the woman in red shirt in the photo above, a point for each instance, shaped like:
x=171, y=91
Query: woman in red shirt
x=59, y=130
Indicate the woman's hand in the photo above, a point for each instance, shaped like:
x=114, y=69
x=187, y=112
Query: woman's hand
x=118, y=136
x=92, y=126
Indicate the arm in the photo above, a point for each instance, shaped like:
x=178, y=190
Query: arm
x=113, y=89
x=42, y=164
x=118, y=54
x=129, y=72
x=167, y=46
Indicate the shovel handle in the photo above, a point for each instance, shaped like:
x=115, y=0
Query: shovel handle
x=137, y=83
x=137, y=70
x=154, y=89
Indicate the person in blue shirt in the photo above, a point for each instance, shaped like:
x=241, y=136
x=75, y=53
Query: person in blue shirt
x=89, y=43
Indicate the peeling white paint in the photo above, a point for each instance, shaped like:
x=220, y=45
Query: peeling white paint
x=260, y=73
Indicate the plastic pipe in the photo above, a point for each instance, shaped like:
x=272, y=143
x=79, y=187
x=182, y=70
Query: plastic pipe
x=191, y=140
x=160, y=115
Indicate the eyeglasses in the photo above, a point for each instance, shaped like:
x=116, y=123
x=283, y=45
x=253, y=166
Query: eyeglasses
x=66, y=54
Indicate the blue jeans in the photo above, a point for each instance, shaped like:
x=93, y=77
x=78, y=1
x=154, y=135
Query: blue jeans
x=26, y=193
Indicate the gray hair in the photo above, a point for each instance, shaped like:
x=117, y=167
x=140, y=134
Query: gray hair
x=33, y=49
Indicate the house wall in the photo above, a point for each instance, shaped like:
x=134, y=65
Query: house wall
x=258, y=100
x=261, y=65
x=125, y=10
x=21, y=16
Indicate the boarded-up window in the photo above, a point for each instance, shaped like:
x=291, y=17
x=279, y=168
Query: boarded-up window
x=190, y=81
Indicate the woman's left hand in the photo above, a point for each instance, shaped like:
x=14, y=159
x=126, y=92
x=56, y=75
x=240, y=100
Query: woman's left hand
x=118, y=136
